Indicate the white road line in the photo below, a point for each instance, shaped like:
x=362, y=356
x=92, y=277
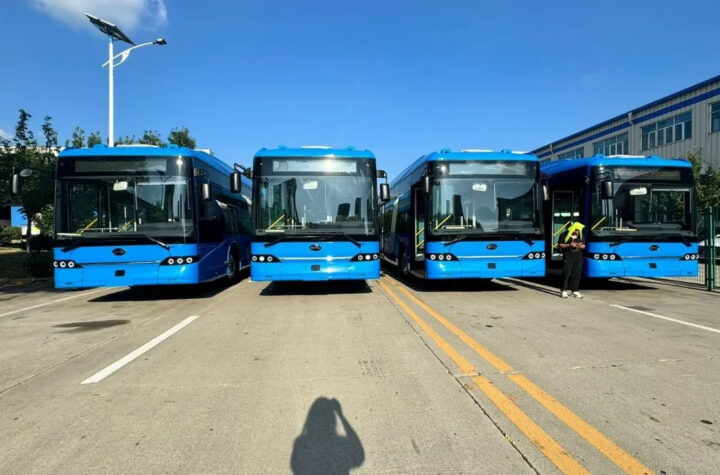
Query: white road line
x=104, y=373
x=682, y=322
x=52, y=302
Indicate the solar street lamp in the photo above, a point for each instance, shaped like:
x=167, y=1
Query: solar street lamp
x=115, y=34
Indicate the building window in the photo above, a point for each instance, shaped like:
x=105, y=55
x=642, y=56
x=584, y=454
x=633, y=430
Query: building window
x=574, y=153
x=617, y=145
x=715, y=117
x=667, y=131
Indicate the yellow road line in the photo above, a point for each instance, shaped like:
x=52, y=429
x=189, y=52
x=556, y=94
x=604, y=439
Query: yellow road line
x=594, y=437
x=542, y=440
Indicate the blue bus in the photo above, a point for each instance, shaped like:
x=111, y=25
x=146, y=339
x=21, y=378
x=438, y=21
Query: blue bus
x=316, y=214
x=467, y=214
x=639, y=214
x=144, y=215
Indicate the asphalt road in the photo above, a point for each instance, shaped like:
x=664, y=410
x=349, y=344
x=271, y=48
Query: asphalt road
x=380, y=377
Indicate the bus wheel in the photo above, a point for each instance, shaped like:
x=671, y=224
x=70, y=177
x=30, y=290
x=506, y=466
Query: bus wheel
x=231, y=269
x=405, y=265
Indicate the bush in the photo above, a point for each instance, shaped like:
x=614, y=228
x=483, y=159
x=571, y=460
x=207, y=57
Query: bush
x=39, y=264
x=9, y=234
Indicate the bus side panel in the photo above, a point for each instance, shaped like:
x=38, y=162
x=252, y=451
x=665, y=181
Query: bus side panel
x=638, y=259
x=296, y=261
x=138, y=264
x=478, y=259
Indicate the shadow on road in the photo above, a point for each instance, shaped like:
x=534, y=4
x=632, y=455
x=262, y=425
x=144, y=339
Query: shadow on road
x=316, y=288
x=319, y=449
x=170, y=292
x=448, y=285
x=77, y=327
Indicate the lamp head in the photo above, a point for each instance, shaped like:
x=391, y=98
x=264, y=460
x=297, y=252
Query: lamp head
x=160, y=41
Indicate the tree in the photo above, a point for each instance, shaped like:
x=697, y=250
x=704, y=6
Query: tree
x=181, y=137
x=126, y=140
x=38, y=189
x=707, y=180
x=94, y=139
x=78, y=138
x=152, y=137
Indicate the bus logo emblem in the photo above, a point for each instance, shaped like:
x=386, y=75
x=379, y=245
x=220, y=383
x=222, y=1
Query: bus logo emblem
x=315, y=247
x=491, y=247
x=118, y=251
x=654, y=247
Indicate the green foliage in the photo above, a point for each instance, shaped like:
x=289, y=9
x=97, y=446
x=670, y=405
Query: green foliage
x=9, y=234
x=78, y=138
x=707, y=180
x=152, y=137
x=45, y=220
x=181, y=137
x=94, y=139
x=128, y=139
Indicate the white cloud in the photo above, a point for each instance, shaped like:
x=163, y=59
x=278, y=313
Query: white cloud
x=126, y=14
x=4, y=135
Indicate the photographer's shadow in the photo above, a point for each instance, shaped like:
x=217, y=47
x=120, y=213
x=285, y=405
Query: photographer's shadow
x=320, y=449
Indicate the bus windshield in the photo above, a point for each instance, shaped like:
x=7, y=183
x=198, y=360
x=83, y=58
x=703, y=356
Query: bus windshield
x=647, y=201
x=124, y=207
x=481, y=204
x=307, y=196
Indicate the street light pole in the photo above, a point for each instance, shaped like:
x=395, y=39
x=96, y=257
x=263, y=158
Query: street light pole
x=111, y=94
x=113, y=33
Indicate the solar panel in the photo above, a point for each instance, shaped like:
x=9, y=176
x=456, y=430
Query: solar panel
x=109, y=29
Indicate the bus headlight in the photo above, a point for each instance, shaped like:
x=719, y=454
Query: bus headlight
x=66, y=264
x=690, y=257
x=441, y=257
x=365, y=257
x=264, y=258
x=178, y=261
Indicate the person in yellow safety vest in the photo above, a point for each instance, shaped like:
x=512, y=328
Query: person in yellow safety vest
x=572, y=244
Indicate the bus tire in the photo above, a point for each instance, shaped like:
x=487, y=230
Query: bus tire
x=231, y=268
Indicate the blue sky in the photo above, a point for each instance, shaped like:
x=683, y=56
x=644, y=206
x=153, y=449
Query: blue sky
x=401, y=78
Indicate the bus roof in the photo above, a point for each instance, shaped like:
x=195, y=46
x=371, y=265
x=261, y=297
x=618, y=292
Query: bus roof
x=559, y=166
x=314, y=151
x=464, y=155
x=146, y=151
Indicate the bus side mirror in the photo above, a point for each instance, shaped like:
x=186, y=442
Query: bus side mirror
x=546, y=193
x=205, y=192
x=235, y=182
x=381, y=174
x=607, y=189
x=17, y=184
x=426, y=184
x=384, y=192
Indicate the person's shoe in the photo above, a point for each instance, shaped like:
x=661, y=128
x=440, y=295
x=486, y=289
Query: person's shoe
x=564, y=294
x=577, y=295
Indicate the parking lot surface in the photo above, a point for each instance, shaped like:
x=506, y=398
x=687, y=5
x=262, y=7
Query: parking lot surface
x=389, y=376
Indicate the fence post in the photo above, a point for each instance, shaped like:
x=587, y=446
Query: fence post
x=710, y=255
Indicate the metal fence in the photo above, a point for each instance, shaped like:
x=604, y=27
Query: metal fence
x=709, y=243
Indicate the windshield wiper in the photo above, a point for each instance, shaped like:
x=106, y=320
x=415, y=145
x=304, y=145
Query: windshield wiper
x=155, y=240
x=453, y=241
x=311, y=237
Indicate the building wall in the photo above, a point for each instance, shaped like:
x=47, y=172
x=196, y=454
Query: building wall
x=697, y=100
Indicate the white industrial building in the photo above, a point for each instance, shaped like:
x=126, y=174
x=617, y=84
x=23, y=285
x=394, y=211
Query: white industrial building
x=670, y=127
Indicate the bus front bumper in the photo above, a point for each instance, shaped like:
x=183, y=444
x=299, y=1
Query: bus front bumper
x=125, y=275
x=484, y=268
x=659, y=267
x=314, y=270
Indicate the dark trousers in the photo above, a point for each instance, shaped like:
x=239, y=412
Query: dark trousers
x=572, y=271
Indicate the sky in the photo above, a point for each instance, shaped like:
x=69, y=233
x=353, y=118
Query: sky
x=400, y=78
